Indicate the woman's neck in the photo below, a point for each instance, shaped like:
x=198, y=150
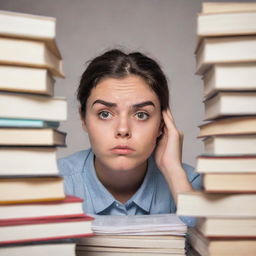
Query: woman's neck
x=121, y=184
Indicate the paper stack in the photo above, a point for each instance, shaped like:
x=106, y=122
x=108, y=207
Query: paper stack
x=162, y=234
x=33, y=206
x=226, y=58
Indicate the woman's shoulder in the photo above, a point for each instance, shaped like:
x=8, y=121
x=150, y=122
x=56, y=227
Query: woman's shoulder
x=73, y=163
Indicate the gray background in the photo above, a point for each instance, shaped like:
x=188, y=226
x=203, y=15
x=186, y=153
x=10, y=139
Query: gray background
x=163, y=29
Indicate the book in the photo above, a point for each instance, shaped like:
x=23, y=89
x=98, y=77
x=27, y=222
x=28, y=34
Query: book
x=231, y=227
x=164, y=242
x=221, y=78
x=123, y=251
x=226, y=24
x=218, y=7
x=32, y=161
x=230, y=104
x=223, y=164
x=63, y=249
x=139, y=225
x=26, y=106
x=229, y=182
x=106, y=251
x=27, y=123
x=44, y=229
x=31, y=137
x=220, y=247
x=230, y=145
x=201, y=204
x=21, y=190
x=70, y=207
x=237, y=49
x=24, y=79
x=228, y=126
x=27, y=53
x=30, y=26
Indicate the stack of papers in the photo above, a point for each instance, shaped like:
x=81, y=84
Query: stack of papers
x=160, y=234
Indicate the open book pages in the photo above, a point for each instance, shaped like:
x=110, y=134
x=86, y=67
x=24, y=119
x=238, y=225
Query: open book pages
x=158, y=224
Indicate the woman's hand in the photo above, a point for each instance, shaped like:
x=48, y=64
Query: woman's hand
x=168, y=152
x=168, y=156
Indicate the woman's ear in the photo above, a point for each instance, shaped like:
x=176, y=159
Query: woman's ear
x=82, y=116
x=84, y=125
x=161, y=127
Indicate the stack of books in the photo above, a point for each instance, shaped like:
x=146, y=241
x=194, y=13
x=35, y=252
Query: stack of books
x=162, y=235
x=226, y=58
x=33, y=205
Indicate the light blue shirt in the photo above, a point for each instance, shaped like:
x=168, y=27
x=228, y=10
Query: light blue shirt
x=153, y=196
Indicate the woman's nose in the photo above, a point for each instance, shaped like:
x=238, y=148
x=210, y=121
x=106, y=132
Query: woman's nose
x=123, y=128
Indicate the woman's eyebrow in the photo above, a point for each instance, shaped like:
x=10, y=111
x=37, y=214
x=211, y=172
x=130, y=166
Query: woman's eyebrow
x=111, y=104
x=106, y=103
x=143, y=104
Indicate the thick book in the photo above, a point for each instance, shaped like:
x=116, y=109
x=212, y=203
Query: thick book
x=229, y=126
x=230, y=145
x=31, y=137
x=229, y=182
x=27, y=26
x=25, y=79
x=27, y=123
x=237, y=49
x=127, y=251
x=21, y=190
x=224, y=164
x=44, y=229
x=28, y=161
x=70, y=207
x=21, y=52
x=220, y=247
x=63, y=249
x=167, y=242
x=24, y=106
x=227, y=227
x=225, y=7
x=225, y=104
x=221, y=78
x=226, y=24
x=201, y=204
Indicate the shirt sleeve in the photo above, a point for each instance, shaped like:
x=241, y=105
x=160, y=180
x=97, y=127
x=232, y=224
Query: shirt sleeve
x=196, y=182
x=65, y=172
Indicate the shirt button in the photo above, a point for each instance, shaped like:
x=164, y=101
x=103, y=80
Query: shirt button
x=117, y=204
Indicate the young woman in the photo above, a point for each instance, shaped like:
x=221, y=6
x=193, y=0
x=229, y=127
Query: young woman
x=134, y=164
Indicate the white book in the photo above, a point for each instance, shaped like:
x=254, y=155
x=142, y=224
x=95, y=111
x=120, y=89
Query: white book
x=24, y=106
x=22, y=25
x=230, y=104
x=240, y=49
x=23, y=161
x=25, y=79
x=29, y=53
x=230, y=145
x=221, y=78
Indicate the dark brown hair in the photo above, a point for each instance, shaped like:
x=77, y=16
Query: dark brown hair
x=117, y=64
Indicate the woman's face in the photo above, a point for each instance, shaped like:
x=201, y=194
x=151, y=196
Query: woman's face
x=123, y=120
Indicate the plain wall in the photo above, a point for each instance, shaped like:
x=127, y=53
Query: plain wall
x=163, y=29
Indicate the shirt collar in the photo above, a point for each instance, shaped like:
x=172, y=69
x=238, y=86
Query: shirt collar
x=142, y=198
x=96, y=188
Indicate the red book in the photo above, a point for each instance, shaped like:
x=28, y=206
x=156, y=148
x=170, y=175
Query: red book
x=71, y=206
x=44, y=229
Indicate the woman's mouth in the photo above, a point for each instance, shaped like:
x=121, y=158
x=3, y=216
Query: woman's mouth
x=122, y=150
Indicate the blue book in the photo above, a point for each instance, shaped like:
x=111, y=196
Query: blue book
x=27, y=123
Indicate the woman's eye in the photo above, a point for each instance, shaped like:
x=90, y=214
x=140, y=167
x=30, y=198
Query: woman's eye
x=142, y=115
x=105, y=115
